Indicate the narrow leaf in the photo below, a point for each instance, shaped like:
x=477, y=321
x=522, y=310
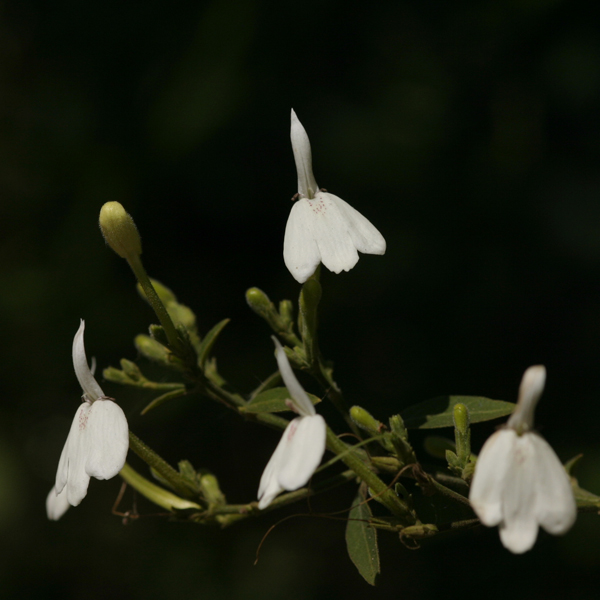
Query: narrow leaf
x=272, y=401
x=437, y=412
x=209, y=341
x=161, y=399
x=361, y=539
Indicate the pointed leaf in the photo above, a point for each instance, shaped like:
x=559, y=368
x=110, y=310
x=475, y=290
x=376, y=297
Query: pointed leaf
x=209, y=341
x=438, y=412
x=272, y=401
x=168, y=396
x=361, y=539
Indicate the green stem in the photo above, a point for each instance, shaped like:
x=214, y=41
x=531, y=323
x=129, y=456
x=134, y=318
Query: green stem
x=442, y=489
x=164, y=469
x=231, y=513
x=155, y=493
x=155, y=302
x=377, y=487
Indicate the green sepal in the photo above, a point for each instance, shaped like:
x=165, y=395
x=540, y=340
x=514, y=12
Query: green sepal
x=439, y=412
x=272, y=401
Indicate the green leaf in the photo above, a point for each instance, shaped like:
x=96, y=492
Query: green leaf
x=438, y=412
x=272, y=401
x=361, y=539
x=209, y=341
x=164, y=398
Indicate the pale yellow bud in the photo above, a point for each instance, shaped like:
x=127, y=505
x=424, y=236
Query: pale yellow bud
x=120, y=231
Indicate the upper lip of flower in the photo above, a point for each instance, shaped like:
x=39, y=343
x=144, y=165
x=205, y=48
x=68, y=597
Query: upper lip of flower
x=307, y=185
x=91, y=390
x=302, y=404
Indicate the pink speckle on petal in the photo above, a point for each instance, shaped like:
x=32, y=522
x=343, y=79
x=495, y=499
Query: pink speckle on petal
x=83, y=419
x=292, y=430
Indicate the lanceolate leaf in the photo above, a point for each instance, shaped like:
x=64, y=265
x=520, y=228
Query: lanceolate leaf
x=361, y=539
x=209, y=341
x=272, y=401
x=437, y=412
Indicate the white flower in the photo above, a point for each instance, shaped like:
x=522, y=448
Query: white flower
x=322, y=227
x=302, y=444
x=97, y=443
x=519, y=482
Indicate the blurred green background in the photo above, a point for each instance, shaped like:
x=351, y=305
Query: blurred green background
x=468, y=133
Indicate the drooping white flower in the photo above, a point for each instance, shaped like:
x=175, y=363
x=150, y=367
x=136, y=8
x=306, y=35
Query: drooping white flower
x=302, y=444
x=519, y=483
x=322, y=227
x=97, y=443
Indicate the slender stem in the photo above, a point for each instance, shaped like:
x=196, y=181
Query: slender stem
x=377, y=487
x=155, y=493
x=164, y=469
x=442, y=489
x=155, y=302
x=231, y=513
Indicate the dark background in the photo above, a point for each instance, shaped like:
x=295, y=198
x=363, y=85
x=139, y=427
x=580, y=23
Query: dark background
x=468, y=133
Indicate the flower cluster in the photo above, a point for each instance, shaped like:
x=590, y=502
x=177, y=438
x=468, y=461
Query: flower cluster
x=518, y=482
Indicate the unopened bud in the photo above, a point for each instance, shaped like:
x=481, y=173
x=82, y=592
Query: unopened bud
x=259, y=302
x=152, y=349
x=461, y=418
x=364, y=420
x=120, y=231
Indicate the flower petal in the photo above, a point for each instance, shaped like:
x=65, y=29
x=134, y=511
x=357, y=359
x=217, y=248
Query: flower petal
x=269, y=482
x=299, y=396
x=295, y=459
x=365, y=236
x=300, y=251
x=307, y=186
x=329, y=228
x=495, y=459
x=107, y=440
x=519, y=528
x=56, y=504
x=555, y=505
x=303, y=453
x=88, y=384
x=71, y=466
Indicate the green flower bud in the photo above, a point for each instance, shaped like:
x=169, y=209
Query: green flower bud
x=364, y=420
x=131, y=370
x=461, y=418
x=211, y=490
x=120, y=231
x=259, y=302
x=152, y=349
x=115, y=375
